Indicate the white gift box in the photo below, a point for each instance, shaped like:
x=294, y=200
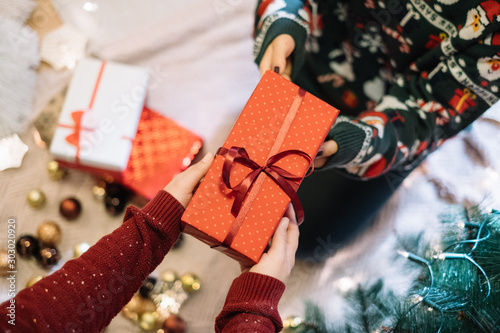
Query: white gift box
x=99, y=118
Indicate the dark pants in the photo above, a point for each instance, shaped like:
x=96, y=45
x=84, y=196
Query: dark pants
x=337, y=208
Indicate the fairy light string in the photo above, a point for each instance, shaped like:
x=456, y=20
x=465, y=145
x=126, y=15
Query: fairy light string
x=482, y=228
x=420, y=260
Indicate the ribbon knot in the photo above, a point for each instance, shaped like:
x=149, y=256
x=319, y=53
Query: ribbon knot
x=284, y=179
x=74, y=138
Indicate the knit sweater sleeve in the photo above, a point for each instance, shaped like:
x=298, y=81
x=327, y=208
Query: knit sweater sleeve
x=86, y=293
x=422, y=109
x=252, y=305
x=276, y=17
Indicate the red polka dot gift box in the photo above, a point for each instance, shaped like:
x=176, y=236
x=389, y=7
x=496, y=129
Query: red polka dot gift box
x=161, y=149
x=257, y=171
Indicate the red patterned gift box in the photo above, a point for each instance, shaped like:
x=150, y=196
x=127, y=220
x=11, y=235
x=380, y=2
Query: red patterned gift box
x=161, y=149
x=256, y=173
x=462, y=100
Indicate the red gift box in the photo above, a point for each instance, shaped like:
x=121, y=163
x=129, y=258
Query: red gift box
x=462, y=100
x=161, y=149
x=256, y=173
x=434, y=41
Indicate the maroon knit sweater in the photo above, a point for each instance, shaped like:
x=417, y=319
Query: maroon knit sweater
x=86, y=293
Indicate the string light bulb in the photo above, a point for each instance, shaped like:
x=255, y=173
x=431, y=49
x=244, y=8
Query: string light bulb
x=90, y=6
x=345, y=284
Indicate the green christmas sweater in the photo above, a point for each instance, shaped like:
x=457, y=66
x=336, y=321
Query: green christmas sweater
x=405, y=74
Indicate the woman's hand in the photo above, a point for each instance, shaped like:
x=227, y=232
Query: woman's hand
x=279, y=260
x=278, y=55
x=183, y=184
x=328, y=148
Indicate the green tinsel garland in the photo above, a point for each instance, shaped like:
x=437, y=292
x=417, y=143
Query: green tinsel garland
x=457, y=292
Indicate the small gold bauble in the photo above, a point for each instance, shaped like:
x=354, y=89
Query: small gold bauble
x=150, y=321
x=33, y=280
x=4, y=262
x=293, y=324
x=131, y=315
x=148, y=305
x=169, y=276
x=36, y=198
x=49, y=233
x=133, y=307
x=190, y=282
x=99, y=192
x=80, y=249
x=137, y=306
x=55, y=171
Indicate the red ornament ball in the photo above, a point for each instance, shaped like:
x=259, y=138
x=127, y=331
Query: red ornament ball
x=70, y=208
x=174, y=324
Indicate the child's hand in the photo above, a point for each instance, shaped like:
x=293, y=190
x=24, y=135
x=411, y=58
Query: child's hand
x=328, y=148
x=183, y=184
x=278, y=55
x=279, y=260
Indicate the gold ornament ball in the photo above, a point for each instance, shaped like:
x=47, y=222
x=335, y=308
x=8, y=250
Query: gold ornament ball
x=148, y=305
x=49, y=233
x=55, y=171
x=134, y=316
x=36, y=198
x=4, y=262
x=132, y=309
x=169, y=276
x=99, y=192
x=137, y=306
x=190, y=282
x=150, y=321
x=80, y=249
x=33, y=280
x=134, y=305
x=293, y=324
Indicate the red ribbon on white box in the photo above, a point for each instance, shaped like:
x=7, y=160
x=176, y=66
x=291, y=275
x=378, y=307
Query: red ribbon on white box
x=74, y=137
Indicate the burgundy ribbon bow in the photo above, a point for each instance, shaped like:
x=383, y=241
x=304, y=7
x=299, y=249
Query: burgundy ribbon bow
x=283, y=178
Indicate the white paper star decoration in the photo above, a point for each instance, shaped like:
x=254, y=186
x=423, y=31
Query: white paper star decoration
x=12, y=151
x=63, y=47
